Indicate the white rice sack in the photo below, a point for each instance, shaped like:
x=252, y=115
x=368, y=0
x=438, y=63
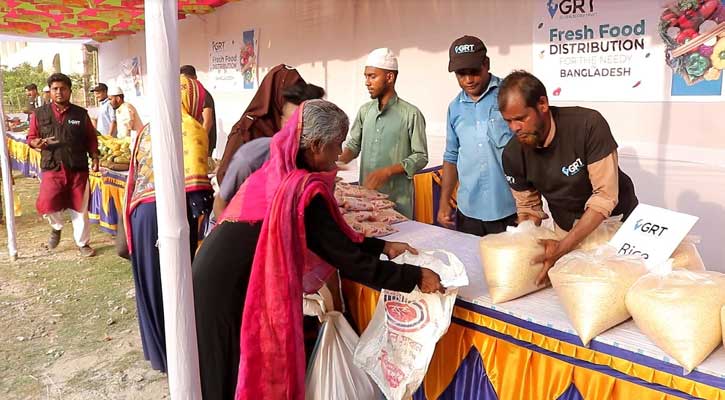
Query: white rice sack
x=686, y=255
x=722, y=320
x=592, y=285
x=602, y=235
x=599, y=237
x=680, y=313
x=507, y=258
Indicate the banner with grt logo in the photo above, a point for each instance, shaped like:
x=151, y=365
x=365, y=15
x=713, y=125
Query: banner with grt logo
x=622, y=50
x=653, y=233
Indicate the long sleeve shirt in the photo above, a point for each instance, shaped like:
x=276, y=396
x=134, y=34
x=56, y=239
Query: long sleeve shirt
x=475, y=138
x=393, y=135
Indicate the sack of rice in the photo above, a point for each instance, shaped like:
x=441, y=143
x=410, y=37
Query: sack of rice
x=686, y=255
x=592, y=285
x=680, y=313
x=601, y=236
x=507, y=258
x=722, y=319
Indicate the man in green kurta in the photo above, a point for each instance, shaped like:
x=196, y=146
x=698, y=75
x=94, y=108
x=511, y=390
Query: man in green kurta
x=390, y=133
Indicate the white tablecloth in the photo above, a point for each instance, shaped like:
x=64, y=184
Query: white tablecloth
x=542, y=307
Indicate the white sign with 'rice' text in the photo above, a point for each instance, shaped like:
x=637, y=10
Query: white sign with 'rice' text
x=653, y=233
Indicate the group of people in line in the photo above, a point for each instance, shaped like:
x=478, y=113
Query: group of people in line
x=279, y=233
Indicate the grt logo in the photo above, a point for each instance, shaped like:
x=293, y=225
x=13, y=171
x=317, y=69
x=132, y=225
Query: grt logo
x=463, y=48
x=568, y=7
x=649, y=227
x=573, y=169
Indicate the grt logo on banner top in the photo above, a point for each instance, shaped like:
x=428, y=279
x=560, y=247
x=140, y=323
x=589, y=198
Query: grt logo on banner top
x=570, y=8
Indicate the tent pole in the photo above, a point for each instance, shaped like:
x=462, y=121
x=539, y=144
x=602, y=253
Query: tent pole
x=162, y=59
x=8, y=199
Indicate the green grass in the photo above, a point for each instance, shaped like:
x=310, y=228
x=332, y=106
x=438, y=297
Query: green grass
x=59, y=303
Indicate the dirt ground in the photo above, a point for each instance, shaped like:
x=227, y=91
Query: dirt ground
x=68, y=324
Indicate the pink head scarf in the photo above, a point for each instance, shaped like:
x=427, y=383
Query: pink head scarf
x=272, y=362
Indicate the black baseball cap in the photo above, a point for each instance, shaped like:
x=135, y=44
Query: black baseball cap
x=466, y=52
x=101, y=87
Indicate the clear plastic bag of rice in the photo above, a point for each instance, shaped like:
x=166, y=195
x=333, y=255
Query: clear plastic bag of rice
x=722, y=319
x=601, y=236
x=507, y=258
x=686, y=255
x=591, y=286
x=680, y=312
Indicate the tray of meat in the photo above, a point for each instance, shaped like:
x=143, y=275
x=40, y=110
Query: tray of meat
x=381, y=204
x=376, y=229
x=356, y=204
x=388, y=216
x=358, y=216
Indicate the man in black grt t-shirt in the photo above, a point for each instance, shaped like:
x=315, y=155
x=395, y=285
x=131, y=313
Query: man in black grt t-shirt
x=566, y=154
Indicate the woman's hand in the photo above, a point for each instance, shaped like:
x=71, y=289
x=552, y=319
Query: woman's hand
x=394, y=249
x=430, y=282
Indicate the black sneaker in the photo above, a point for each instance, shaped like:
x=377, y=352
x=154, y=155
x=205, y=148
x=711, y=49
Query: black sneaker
x=87, y=251
x=54, y=239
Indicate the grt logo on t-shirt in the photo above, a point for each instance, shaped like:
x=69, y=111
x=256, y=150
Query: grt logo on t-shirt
x=573, y=169
x=74, y=122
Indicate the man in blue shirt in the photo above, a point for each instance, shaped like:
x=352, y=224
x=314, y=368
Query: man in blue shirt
x=475, y=138
x=106, y=119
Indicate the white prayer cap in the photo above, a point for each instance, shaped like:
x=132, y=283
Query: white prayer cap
x=382, y=58
x=115, y=91
x=46, y=89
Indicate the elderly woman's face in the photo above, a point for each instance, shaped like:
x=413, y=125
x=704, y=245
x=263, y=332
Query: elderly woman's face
x=323, y=157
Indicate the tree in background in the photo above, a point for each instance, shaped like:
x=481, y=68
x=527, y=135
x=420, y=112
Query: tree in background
x=14, y=81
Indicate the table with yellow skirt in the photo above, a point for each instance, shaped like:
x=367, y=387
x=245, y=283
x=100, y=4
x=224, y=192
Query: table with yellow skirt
x=527, y=349
x=22, y=158
x=107, y=190
x=106, y=186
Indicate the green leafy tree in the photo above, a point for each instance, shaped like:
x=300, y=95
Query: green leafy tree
x=14, y=81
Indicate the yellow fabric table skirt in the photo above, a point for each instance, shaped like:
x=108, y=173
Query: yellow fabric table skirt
x=524, y=364
x=107, y=190
x=22, y=157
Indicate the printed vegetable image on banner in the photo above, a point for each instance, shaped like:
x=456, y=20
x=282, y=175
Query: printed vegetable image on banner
x=129, y=78
x=248, y=58
x=694, y=33
x=619, y=50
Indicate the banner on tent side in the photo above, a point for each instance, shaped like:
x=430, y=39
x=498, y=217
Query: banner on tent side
x=129, y=77
x=621, y=50
x=233, y=63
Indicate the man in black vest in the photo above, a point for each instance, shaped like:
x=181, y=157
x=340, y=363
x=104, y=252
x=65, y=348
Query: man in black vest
x=566, y=154
x=66, y=139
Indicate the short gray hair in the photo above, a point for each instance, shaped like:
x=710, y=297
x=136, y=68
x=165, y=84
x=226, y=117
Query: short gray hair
x=322, y=122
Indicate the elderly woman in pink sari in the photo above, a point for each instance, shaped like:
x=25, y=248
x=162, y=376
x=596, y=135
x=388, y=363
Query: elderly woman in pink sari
x=281, y=236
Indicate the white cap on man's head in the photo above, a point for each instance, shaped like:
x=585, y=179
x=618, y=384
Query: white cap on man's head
x=382, y=58
x=46, y=89
x=115, y=91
